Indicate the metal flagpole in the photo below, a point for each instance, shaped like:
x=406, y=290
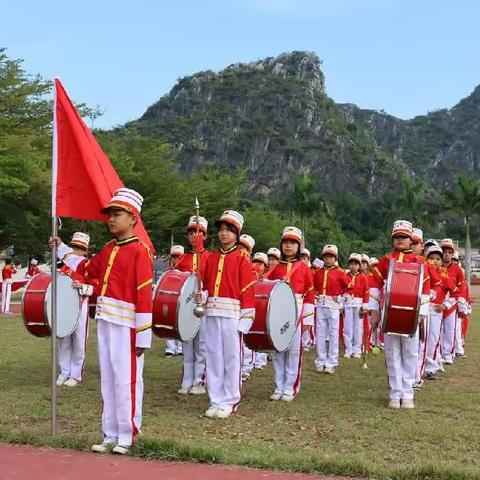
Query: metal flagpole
x=53, y=312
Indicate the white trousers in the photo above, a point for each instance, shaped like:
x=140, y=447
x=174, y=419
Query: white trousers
x=458, y=337
x=401, y=355
x=261, y=359
x=121, y=378
x=449, y=330
x=433, y=343
x=6, y=294
x=308, y=337
x=327, y=325
x=224, y=350
x=287, y=366
x=353, y=330
x=194, y=359
x=422, y=350
x=173, y=346
x=248, y=359
x=72, y=349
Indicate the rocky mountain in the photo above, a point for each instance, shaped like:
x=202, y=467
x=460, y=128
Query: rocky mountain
x=273, y=119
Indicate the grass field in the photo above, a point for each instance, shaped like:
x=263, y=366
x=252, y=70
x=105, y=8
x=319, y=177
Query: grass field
x=338, y=425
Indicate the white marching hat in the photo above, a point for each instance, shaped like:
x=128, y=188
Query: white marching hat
x=125, y=199
x=232, y=218
x=274, y=252
x=247, y=241
x=355, y=257
x=417, y=234
x=202, y=224
x=33, y=262
x=373, y=261
x=330, y=250
x=433, y=249
x=447, y=243
x=81, y=240
x=177, y=250
x=402, y=227
x=305, y=251
x=365, y=258
x=260, y=257
x=292, y=233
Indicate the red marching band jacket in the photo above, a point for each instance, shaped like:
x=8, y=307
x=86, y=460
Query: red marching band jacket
x=442, y=288
x=300, y=278
x=358, y=292
x=188, y=262
x=7, y=273
x=124, y=270
x=459, y=294
x=331, y=284
x=228, y=281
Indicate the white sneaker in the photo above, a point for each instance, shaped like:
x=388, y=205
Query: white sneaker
x=223, y=413
x=276, y=396
x=448, y=361
x=120, y=449
x=394, y=404
x=245, y=376
x=71, y=382
x=102, y=447
x=211, y=412
x=408, y=403
x=61, y=381
x=197, y=390
x=357, y=355
x=329, y=370
x=183, y=391
x=320, y=369
x=288, y=398
x=346, y=355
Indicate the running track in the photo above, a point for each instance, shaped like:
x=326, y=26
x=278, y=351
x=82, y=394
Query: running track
x=22, y=463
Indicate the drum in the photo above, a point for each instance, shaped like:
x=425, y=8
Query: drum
x=403, y=294
x=276, y=315
x=37, y=309
x=173, y=304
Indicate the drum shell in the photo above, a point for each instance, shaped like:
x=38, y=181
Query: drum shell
x=34, y=306
x=166, y=305
x=260, y=341
x=402, y=299
x=261, y=337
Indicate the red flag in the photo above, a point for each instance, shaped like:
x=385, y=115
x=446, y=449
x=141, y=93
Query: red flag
x=84, y=178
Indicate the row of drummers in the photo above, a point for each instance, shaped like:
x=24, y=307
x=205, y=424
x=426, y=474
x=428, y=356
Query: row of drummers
x=279, y=302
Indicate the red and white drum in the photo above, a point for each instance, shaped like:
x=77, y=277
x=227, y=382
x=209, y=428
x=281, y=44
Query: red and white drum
x=37, y=306
x=173, y=304
x=276, y=315
x=403, y=292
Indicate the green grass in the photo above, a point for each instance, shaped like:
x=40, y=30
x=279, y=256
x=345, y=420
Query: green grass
x=339, y=424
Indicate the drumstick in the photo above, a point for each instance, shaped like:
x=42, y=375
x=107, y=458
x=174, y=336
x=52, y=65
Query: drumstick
x=199, y=310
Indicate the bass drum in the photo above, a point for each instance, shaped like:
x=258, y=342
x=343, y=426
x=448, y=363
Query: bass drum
x=173, y=305
x=37, y=306
x=403, y=293
x=276, y=317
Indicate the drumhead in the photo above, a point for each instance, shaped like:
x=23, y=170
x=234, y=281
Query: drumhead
x=282, y=316
x=68, y=306
x=187, y=323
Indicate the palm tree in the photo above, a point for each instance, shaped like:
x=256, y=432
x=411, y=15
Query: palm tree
x=464, y=199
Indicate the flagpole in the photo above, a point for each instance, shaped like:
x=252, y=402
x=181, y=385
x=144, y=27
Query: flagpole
x=53, y=415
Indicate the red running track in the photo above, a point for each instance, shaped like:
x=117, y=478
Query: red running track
x=22, y=463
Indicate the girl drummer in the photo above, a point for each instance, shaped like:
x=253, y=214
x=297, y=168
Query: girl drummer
x=288, y=364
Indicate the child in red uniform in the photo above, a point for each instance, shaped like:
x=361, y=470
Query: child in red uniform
x=273, y=256
x=32, y=269
x=8, y=271
x=194, y=351
x=458, y=301
x=288, y=364
x=331, y=284
x=356, y=305
x=124, y=318
x=230, y=311
x=72, y=348
x=401, y=353
x=260, y=262
x=442, y=290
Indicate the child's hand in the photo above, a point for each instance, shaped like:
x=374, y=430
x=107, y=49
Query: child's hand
x=139, y=351
x=53, y=241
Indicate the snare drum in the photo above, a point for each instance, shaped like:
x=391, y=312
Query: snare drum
x=276, y=316
x=37, y=306
x=403, y=294
x=173, y=304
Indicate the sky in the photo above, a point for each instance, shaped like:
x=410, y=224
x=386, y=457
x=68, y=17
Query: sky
x=406, y=57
